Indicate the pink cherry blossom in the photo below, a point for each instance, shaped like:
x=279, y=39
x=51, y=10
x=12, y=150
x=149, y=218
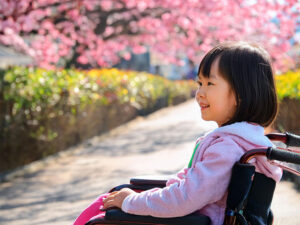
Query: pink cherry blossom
x=100, y=32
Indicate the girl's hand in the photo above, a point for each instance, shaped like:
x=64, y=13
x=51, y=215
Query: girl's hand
x=116, y=198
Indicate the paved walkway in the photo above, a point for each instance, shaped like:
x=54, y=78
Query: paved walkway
x=55, y=190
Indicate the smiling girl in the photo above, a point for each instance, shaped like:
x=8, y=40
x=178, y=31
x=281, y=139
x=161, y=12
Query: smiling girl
x=237, y=91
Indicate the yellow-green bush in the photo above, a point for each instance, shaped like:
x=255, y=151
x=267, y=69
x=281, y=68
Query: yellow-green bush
x=288, y=85
x=32, y=90
x=140, y=88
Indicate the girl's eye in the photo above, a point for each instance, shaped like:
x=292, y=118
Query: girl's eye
x=199, y=82
x=210, y=83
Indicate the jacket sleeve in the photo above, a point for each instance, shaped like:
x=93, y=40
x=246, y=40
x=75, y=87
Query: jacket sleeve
x=204, y=183
x=176, y=179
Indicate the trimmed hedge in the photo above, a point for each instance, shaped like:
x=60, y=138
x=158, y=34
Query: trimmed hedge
x=45, y=111
x=288, y=87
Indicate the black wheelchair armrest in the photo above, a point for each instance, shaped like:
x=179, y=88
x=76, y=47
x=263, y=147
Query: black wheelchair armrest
x=157, y=181
x=143, y=183
x=126, y=218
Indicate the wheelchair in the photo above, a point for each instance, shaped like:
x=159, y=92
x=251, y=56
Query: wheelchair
x=246, y=202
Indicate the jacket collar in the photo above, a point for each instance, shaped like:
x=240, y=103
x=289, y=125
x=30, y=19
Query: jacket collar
x=250, y=132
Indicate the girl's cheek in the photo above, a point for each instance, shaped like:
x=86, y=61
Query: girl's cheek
x=198, y=98
x=197, y=95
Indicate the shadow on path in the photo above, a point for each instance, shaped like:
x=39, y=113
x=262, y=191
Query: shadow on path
x=140, y=141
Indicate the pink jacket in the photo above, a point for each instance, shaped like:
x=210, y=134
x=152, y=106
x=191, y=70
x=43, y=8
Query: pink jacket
x=203, y=187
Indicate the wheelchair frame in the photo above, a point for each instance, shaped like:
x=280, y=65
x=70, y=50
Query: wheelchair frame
x=246, y=204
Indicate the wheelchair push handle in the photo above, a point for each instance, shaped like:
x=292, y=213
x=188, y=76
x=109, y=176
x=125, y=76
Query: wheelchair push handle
x=272, y=154
x=287, y=138
x=292, y=139
x=282, y=155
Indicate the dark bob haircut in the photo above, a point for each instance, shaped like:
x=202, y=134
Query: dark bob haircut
x=248, y=70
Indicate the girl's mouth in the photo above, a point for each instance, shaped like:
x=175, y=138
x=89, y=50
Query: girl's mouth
x=203, y=107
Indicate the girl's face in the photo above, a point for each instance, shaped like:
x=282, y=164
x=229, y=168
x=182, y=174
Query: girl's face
x=215, y=97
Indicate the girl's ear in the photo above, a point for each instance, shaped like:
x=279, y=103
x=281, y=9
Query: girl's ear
x=239, y=101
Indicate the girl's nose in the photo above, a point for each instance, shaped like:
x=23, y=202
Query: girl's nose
x=200, y=93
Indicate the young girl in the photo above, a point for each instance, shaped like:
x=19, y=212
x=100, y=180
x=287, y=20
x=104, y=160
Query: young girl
x=236, y=90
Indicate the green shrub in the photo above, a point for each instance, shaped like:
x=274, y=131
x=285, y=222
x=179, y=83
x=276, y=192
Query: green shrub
x=139, y=88
x=30, y=96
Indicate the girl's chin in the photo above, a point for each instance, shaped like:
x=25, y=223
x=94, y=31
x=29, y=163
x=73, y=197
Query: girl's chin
x=205, y=118
x=204, y=108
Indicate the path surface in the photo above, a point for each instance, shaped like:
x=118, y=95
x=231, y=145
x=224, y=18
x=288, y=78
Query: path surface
x=55, y=190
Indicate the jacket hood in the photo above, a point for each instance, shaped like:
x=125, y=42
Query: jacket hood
x=252, y=133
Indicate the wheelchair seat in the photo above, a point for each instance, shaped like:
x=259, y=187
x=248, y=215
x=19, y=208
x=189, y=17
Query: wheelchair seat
x=117, y=216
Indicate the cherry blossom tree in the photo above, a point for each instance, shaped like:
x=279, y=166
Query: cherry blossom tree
x=99, y=32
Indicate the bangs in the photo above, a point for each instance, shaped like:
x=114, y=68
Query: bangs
x=207, y=61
